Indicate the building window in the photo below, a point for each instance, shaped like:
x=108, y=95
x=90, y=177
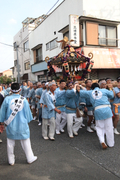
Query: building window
x=39, y=55
x=26, y=46
x=101, y=34
x=53, y=44
x=111, y=35
x=27, y=65
x=47, y=46
x=107, y=35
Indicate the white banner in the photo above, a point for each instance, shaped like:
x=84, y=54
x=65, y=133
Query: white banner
x=74, y=29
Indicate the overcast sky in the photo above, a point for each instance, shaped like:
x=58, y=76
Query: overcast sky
x=12, y=13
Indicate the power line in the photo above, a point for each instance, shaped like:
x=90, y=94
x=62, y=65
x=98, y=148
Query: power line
x=13, y=46
x=52, y=7
x=23, y=55
x=31, y=31
x=24, y=38
x=6, y=44
x=9, y=45
x=44, y=19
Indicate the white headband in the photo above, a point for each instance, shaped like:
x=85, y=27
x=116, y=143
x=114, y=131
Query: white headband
x=101, y=82
x=51, y=83
x=15, y=91
x=46, y=83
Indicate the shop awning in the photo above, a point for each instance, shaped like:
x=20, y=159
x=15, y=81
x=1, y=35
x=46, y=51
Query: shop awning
x=37, y=47
x=103, y=58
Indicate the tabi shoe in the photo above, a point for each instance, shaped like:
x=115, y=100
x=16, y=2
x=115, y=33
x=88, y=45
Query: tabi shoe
x=75, y=133
x=89, y=129
x=45, y=138
x=34, y=118
x=71, y=136
x=0, y=140
x=52, y=138
x=115, y=131
x=62, y=130
x=104, y=146
x=93, y=127
x=35, y=158
x=57, y=132
x=83, y=125
x=39, y=124
x=11, y=164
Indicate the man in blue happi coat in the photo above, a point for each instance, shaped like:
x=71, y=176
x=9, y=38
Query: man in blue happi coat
x=32, y=99
x=116, y=107
x=24, y=90
x=89, y=108
x=8, y=88
x=39, y=91
x=99, y=98
x=61, y=119
x=48, y=112
x=16, y=115
x=72, y=102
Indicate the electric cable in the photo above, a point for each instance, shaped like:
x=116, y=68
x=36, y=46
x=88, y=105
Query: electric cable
x=43, y=20
x=6, y=44
x=52, y=7
x=9, y=45
x=28, y=34
x=31, y=31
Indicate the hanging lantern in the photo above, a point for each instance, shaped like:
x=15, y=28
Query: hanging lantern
x=83, y=65
x=66, y=67
x=90, y=66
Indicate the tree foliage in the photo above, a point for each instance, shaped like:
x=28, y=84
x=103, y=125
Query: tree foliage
x=5, y=80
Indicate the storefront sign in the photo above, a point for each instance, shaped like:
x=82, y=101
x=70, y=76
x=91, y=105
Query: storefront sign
x=74, y=29
x=104, y=58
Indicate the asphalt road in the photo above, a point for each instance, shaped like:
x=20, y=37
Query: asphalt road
x=80, y=158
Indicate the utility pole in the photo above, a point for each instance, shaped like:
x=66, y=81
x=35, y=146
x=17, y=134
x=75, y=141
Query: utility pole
x=18, y=66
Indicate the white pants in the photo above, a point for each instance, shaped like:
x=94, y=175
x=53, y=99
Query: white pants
x=90, y=113
x=61, y=120
x=73, y=128
x=33, y=107
x=51, y=127
x=26, y=145
x=105, y=127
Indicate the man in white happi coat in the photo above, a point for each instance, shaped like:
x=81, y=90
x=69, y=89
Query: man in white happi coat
x=16, y=114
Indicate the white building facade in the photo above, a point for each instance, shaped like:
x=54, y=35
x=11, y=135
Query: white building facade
x=21, y=39
x=99, y=33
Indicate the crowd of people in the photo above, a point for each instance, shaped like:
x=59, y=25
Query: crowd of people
x=57, y=104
